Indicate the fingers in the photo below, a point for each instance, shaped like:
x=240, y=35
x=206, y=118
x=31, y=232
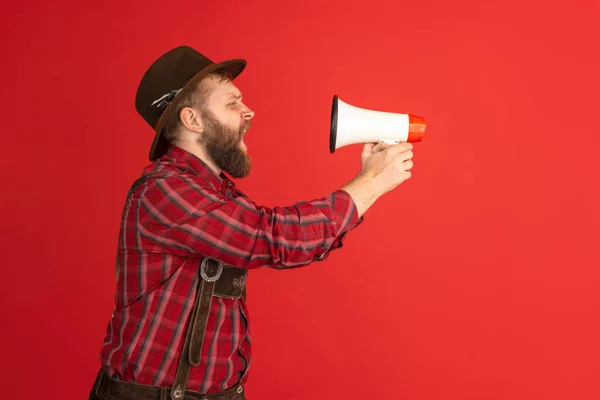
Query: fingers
x=401, y=151
x=368, y=149
x=406, y=155
x=380, y=147
x=373, y=148
x=400, y=148
x=405, y=166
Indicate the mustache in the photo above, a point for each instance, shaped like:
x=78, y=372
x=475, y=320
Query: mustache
x=245, y=125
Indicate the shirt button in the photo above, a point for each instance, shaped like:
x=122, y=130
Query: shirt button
x=229, y=183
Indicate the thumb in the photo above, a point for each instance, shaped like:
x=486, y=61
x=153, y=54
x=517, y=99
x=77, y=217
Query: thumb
x=367, y=149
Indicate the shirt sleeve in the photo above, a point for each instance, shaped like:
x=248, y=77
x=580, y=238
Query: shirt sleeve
x=181, y=216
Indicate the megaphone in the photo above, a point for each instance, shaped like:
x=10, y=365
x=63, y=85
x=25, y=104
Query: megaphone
x=351, y=125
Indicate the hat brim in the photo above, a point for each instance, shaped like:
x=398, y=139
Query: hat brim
x=159, y=145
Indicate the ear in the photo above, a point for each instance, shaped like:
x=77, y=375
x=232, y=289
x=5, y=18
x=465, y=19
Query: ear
x=191, y=119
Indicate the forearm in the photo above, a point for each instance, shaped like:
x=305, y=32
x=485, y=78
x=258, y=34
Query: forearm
x=202, y=222
x=307, y=231
x=363, y=193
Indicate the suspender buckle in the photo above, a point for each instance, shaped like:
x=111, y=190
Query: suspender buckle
x=205, y=266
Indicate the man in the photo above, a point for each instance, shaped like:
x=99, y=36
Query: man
x=188, y=237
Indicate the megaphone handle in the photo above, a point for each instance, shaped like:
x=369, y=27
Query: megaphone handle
x=389, y=141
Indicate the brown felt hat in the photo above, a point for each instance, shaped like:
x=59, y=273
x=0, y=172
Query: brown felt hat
x=168, y=78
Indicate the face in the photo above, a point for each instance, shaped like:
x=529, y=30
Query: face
x=225, y=121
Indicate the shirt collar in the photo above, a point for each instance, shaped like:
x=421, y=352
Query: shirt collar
x=182, y=159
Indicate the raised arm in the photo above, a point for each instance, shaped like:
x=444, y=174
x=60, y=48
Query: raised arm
x=185, y=217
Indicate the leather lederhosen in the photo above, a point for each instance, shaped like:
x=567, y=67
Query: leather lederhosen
x=215, y=280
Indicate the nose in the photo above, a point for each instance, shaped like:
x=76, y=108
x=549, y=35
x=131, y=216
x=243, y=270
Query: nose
x=247, y=114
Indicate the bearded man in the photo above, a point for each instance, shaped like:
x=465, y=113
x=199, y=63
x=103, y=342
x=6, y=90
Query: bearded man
x=188, y=237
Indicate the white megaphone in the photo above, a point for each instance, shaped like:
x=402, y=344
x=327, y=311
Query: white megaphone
x=351, y=125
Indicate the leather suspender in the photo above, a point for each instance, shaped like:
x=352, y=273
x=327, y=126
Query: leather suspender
x=192, y=347
x=190, y=354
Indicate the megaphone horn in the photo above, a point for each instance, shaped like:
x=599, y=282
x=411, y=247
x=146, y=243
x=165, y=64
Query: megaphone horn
x=351, y=125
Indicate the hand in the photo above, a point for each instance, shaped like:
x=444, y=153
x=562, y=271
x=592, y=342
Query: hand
x=385, y=165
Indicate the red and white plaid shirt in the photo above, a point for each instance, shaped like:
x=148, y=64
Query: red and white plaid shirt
x=169, y=224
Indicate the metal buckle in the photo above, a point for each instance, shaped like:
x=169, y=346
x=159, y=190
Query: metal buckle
x=178, y=394
x=203, y=267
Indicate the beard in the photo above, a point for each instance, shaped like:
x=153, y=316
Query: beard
x=222, y=144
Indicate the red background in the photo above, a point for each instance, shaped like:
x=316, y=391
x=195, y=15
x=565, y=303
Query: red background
x=476, y=279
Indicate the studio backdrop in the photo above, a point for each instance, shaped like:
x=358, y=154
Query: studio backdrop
x=476, y=279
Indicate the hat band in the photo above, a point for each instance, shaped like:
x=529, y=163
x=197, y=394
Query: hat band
x=162, y=102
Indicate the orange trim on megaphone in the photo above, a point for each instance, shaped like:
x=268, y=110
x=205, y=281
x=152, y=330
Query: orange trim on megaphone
x=416, y=128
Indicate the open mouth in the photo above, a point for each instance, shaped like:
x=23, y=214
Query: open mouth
x=242, y=143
